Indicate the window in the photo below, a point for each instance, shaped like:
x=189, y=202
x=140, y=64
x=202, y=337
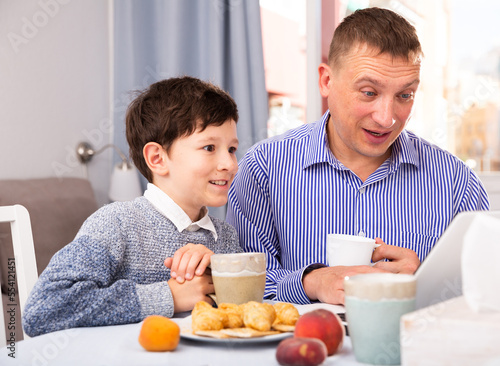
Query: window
x=458, y=103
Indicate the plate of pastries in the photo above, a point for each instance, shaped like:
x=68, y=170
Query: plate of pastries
x=249, y=322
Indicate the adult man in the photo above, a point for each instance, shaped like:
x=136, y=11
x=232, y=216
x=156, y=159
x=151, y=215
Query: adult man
x=356, y=171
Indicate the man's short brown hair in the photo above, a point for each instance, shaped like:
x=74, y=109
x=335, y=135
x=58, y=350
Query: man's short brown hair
x=174, y=108
x=382, y=29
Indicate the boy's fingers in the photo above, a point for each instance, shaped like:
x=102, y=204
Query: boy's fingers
x=179, y=255
x=205, y=261
x=183, y=264
x=192, y=268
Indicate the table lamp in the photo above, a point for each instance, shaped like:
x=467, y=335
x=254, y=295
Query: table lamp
x=125, y=184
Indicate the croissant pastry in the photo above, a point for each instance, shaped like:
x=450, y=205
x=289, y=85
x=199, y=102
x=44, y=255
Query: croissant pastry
x=258, y=315
x=286, y=313
x=234, y=315
x=205, y=317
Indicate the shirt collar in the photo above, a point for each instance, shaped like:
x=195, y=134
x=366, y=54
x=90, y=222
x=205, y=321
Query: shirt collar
x=403, y=152
x=175, y=213
x=319, y=151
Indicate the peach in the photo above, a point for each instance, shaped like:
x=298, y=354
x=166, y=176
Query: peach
x=159, y=333
x=301, y=352
x=323, y=325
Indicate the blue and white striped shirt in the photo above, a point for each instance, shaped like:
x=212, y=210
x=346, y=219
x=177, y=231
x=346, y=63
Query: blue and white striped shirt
x=291, y=191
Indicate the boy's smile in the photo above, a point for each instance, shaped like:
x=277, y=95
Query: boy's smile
x=201, y=167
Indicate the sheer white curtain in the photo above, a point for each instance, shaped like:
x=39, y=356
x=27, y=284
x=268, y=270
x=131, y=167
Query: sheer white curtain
x=214, y=40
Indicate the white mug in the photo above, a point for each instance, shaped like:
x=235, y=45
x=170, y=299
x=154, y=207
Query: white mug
x=349, y=250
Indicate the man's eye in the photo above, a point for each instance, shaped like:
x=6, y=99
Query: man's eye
x=232, y=150
x=407, y=96
x=209, y=147
x=369, y=93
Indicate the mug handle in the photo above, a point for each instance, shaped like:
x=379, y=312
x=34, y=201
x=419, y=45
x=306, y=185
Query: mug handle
x=376, y=246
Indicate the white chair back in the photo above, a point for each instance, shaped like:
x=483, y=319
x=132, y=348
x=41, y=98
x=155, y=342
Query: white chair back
x=23, y=269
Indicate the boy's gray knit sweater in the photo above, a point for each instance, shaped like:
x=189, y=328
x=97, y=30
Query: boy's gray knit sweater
x=113, y=271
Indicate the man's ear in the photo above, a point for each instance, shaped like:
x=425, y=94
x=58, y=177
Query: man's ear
x=325, y=79
x=156, y=158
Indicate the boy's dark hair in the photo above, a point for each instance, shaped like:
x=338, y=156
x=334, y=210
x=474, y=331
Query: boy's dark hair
x=174, y=108
x=380, y=28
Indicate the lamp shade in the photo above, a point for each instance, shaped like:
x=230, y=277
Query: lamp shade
x=125, y=184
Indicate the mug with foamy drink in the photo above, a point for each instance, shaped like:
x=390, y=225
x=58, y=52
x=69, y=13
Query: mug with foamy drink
x=239, y=278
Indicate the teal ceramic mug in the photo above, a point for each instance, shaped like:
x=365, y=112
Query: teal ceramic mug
x=374, y=304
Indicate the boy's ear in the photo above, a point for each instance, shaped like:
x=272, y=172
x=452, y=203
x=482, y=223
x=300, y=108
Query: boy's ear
x=156, y=158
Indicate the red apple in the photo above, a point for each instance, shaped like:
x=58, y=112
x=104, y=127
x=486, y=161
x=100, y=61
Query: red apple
x=323, y=325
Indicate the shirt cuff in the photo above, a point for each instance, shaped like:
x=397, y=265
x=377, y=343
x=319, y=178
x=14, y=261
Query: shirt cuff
x=291, y=289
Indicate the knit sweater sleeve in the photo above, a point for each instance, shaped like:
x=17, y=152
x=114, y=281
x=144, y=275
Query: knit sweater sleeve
x=85, y=284
x=228, y=237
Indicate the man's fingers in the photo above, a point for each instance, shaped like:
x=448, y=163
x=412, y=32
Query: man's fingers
x=385, y=266
x=380, y=252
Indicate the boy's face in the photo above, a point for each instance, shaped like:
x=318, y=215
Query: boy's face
x=201, y=167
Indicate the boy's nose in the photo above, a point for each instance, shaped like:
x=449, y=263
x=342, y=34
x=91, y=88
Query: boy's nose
x=228, y=162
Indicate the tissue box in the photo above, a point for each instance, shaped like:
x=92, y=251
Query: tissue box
x=450, y=333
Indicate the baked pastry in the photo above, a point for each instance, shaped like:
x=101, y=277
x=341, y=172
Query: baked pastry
x=286, y=313
x=233, y=315
x=258, y=315
x=205, y=317
x=252, y=319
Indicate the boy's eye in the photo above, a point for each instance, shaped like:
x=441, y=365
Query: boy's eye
x=232, y=150
x=209, y=147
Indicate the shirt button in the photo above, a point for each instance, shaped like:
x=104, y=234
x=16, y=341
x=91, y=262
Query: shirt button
x=362, y=190
x=362, y=233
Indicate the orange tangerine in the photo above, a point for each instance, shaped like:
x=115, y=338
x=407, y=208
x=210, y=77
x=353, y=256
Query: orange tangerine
x=159, y=333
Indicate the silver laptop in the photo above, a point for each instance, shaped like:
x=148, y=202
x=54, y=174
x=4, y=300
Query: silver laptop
x=439, y=276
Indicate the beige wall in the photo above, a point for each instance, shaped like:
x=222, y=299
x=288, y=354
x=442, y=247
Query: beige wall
x=54, y=88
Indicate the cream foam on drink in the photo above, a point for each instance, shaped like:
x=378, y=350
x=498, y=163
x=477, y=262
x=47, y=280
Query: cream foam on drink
x=237, y=274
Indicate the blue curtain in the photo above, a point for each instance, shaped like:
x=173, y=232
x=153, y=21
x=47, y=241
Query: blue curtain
x=214, y=40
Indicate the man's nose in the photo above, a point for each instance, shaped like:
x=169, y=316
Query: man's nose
x=384, y=113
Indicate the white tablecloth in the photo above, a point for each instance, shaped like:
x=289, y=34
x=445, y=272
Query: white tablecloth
x=118, y=345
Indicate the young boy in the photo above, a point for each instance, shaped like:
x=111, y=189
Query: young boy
x=182, y=138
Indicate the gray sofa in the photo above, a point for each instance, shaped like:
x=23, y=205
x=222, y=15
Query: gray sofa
x=57, y=207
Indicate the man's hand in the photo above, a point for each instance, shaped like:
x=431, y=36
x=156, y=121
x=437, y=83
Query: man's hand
x=326, y=284
x=188, y=261
x=400, y=260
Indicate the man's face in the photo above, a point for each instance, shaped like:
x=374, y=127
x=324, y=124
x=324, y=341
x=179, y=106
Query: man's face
x=370, y=97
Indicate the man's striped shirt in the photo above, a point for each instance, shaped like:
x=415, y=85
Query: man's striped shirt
x=291, y=191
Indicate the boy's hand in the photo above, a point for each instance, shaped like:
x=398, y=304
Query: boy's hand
x=187, y=294
x=188, y=261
